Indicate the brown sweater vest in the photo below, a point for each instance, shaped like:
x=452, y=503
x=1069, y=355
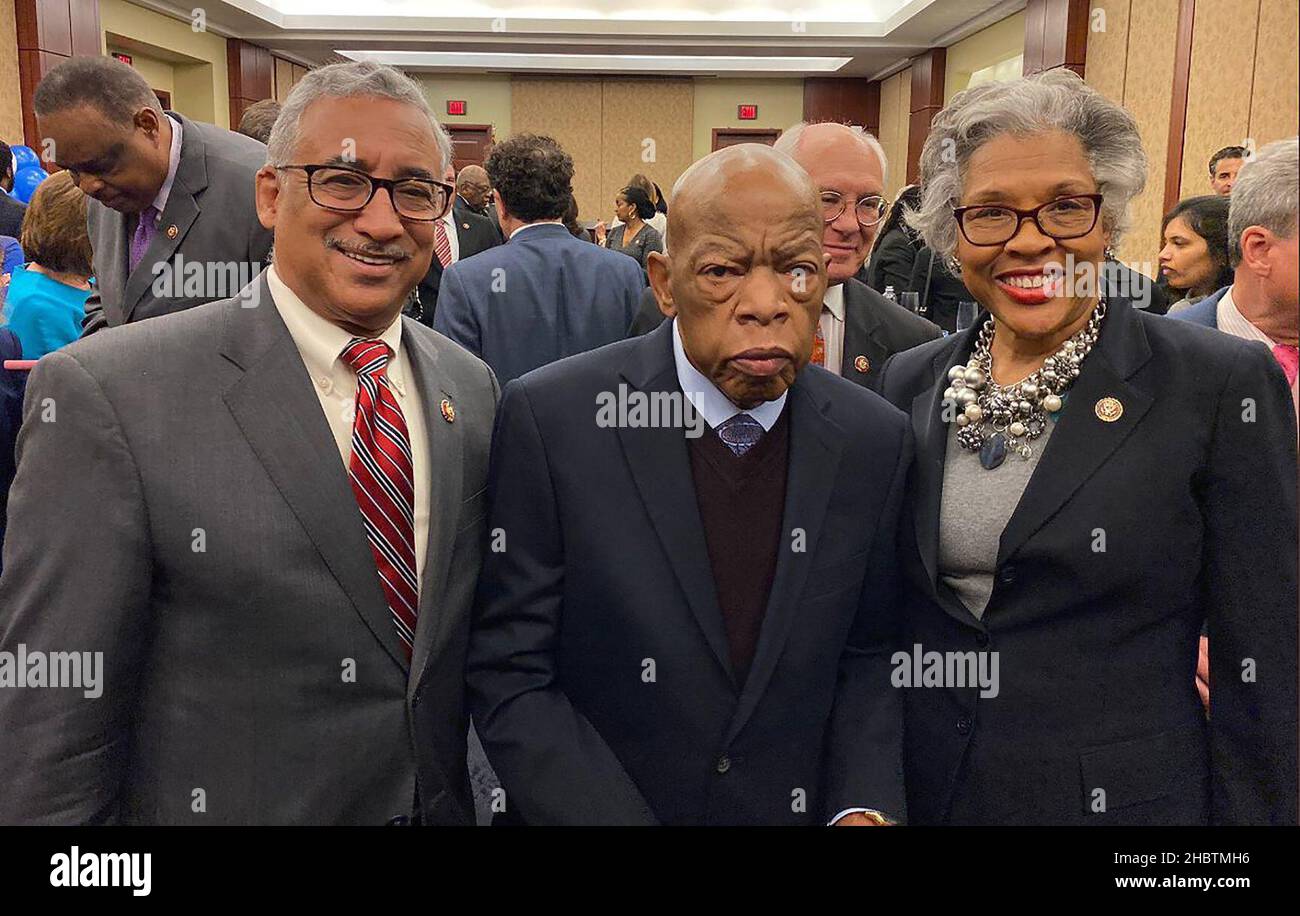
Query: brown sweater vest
x=742, y=501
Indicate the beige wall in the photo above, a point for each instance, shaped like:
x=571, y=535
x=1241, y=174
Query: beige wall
x=612, y=128
x=159, y=74
x=993, y=52
x=487, y=96
x=200, y=89
x=11, y=104
x=779, y=101
x=1242, y=88
x=895, y=117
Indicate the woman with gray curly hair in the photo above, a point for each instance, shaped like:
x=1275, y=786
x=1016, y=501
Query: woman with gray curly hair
x=1092, y=485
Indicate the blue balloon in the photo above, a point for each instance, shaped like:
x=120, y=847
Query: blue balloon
x=25, y=156
x=26, y=180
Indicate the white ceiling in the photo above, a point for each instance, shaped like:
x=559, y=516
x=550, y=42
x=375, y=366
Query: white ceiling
x=698, y=37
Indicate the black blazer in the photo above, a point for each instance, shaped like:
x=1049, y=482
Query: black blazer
x=874, y=330
x=475, y=233
x=1097, y=648
x=604, y=572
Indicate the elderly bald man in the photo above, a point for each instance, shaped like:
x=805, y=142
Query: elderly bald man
x=858, y=328
x=474, y=195
x=689, y=614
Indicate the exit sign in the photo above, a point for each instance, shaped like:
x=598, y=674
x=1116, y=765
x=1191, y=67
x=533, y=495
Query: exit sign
x=124, y=58
x=457, y=107
x=747, y=112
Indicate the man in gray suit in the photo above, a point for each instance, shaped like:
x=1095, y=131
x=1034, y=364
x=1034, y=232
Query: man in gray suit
x=272, y=634
x=171, y=216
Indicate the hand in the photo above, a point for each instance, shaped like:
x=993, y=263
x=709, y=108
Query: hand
x=599, y=231
x=857, y=819
x=1203, y=673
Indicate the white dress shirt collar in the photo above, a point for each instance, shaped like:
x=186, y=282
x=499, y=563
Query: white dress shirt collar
x=835, y=300
x=173, y=163
x=321, y=342
x=540, y=222
x=714, y=406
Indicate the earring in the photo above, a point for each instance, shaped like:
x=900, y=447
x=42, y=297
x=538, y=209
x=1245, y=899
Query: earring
x=1109, y=253
x=954, y=266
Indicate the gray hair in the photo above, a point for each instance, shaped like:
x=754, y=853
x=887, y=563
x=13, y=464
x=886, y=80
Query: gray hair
x=1267, y=193
x=106, y=84
x=343, y=81
x=1055, y=100
x=789, y=140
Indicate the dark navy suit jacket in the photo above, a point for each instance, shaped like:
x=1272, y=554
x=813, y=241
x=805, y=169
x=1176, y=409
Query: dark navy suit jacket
x=1205, y=312
x=605, y=579
x=540, y=297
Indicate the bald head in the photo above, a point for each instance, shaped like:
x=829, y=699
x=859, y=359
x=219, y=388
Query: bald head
x=707, y=192
x=848, y=167
x=472, y=184
x=745, y=274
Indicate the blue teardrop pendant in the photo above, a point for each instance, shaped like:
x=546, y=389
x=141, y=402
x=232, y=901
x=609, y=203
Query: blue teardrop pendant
x=993, y=451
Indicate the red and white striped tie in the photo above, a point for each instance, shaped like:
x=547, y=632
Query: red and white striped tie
x=441, y=243
x=383, y=482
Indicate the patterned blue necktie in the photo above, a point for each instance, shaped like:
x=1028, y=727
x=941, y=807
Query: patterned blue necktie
x=740, y=433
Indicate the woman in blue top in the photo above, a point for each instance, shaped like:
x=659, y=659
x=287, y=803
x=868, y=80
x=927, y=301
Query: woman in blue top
x=46, y=299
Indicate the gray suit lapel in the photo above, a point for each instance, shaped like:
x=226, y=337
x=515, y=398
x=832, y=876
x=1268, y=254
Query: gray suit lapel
x=280, y=415
x=111, y=243
x=181, y=211
x=446, y=478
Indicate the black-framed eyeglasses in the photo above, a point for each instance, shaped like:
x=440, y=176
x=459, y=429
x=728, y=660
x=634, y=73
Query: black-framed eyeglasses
x=337, y=187
x=1063, y=218
x=869, y=210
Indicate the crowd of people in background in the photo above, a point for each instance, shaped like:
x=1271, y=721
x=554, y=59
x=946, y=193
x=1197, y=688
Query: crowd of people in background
x=221, y=316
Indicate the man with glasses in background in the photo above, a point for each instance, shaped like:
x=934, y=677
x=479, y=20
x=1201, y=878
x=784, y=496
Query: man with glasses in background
x=264, y=516
x=859, y=328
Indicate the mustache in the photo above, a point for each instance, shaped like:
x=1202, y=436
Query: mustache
x=395, y=252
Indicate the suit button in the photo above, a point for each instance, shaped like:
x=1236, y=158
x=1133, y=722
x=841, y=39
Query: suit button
x=1007, y=575
x=724, y=764
x=399, y=820
x=963, y=725
x=981, y=639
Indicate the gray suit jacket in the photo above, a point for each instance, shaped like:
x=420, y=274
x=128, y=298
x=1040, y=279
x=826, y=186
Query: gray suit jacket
x=188, y=516
x=210, y=219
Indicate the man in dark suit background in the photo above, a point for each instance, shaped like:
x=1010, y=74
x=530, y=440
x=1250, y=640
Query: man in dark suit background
x=11, y=211
x=691, y=618
x=171, y=217
x=459, y=234
x=474, y=195
x=544, y=294
x=266, y=513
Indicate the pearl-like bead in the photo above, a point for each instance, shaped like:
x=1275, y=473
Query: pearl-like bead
x=1026, y=407
x=1016, y=429
x=956, y=372
x=1029, y=390
x=962, y=419
x=966, y=397
x=1051, y=403
x=974, y=413
x=974, y=378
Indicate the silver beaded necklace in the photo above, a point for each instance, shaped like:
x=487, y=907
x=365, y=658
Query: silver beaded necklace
x=994, y=419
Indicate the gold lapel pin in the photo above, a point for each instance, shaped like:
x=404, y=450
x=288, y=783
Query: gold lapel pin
x=448, y=411
x=1109, y=410
x=464, y=225
x=862, y=364
x=172, y=232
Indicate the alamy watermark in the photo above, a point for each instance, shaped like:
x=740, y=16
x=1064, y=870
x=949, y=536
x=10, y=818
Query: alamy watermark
x=78, y=670
x=631, y=409
x=919, y=668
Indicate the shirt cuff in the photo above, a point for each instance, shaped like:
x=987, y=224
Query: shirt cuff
x=833, y=821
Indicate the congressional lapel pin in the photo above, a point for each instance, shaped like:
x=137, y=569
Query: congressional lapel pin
x=172, y=232
x=448, y=411
x=1109, y=410
x=464, y=225
x=862, y=364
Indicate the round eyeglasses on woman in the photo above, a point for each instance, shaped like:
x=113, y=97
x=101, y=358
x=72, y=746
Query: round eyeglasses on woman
x=1064, y=218
x=869, y=210
x=336, y=187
